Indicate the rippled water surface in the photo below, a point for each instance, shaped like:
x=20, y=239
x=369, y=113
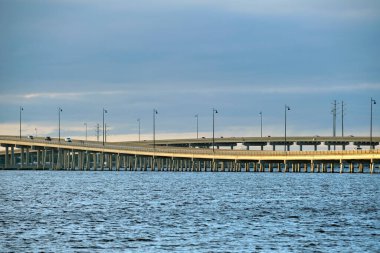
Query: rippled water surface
x=190, y=212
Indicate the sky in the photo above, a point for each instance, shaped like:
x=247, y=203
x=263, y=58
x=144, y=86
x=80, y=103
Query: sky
x=185, y=58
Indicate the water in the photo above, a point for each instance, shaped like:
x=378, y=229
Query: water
x=57, y=211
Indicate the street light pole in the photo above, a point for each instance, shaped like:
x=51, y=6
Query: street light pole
x=197, y=116
x=261, y=124
x=21, y=109
x=86, y=130
x=287, y=108
x=373, y=102
x=59, y=124
x=213, y=128
x=104, y=132
x=138, y=120
x=154, y=127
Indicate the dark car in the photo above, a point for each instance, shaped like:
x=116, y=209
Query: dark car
x=47, y=138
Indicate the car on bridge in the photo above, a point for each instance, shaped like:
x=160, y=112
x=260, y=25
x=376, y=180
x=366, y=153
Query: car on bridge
x=47, y=138
x=68, y=139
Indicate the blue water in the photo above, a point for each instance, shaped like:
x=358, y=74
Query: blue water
x=56, y=211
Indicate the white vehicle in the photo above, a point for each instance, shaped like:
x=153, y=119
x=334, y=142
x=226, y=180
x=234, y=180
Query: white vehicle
x=30, y=137
x=68, y=139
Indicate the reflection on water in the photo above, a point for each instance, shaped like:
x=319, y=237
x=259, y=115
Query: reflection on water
x=151, y=212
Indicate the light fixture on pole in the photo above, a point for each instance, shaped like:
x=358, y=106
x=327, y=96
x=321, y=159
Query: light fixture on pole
x=261, y=124
x=21, y=109
x=197, y=116
x=86, y=130
x=138, y=120
x=104, y=132
x=213, y=128
x=154, y=127
x=287, y=108
x=373, y=102
x=59, y=123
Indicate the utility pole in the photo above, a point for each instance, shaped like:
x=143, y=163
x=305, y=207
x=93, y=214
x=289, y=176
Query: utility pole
x=334, y=120
x=154, y=127
x=333, y=111
x=213, y=128
x=21, y=109
x=261, y=124
x=104, y=132
x=287, y=108
x=59, y=124
x=138, y=120
x=97, y=131
x=342, y=118
x=373, y=102
x=86, y=130
x=197, y=116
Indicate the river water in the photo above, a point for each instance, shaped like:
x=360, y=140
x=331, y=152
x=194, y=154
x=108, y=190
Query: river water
x=73, y=211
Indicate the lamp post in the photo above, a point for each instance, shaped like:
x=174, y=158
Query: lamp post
x=154, y=127
x=287, y=108
x=138, y=120
x=197, y=116
x=213, y=128
x=261, y=124
x=36, y=131
x=86, y=130
x=21, y=109
x=104, y=131
x=373, y=102
x=59, y=123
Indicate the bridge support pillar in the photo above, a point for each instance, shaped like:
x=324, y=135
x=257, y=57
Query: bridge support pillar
x=102, y=161
x=117, y=162
x=341, y=167
x=51, y=159
x=300, y=147
x=371, y=166
x=22, y=158
x=13, y=158
x=94, y=161
x=88, y=160
x=64, y=159
x=6, y=161
x=73, y=165
x=27, y=162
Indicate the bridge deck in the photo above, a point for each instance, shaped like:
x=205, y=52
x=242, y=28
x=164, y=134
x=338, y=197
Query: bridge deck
x=147, y=151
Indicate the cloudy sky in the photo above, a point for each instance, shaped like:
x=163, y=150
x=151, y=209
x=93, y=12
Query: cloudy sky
x=184, y=58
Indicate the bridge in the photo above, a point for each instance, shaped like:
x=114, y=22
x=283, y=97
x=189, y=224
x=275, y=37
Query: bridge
x=261, y=142
x=191, y=155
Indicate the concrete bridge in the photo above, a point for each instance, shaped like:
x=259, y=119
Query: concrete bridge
x=23, y=153
x=313, y=141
